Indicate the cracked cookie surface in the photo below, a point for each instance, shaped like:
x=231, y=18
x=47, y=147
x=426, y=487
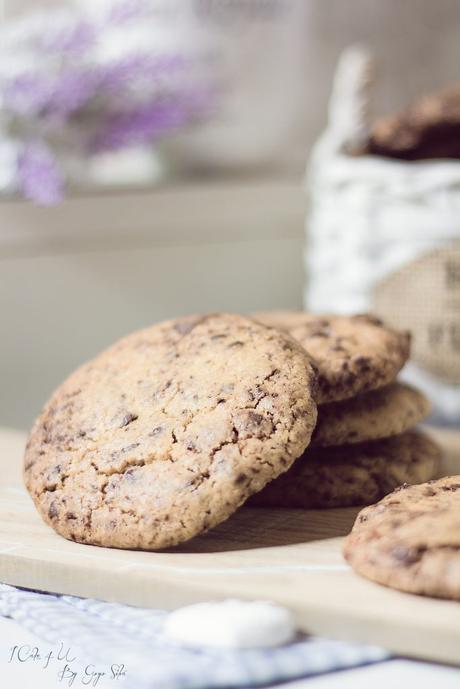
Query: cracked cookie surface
x=353, y=354
x=382, y=413
x=167, y=432
x=410, y=540
x=353, y=474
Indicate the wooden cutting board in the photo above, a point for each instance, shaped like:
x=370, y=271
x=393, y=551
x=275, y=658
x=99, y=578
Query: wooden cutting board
x=289, y=556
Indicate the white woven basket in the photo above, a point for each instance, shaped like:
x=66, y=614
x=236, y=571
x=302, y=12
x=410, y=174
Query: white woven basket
x=384, y=235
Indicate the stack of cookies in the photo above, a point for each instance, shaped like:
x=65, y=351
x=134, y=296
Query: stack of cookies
x=364, y=444
x=166, y=433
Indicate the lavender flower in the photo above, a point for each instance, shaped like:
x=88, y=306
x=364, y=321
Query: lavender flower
x=73, y=39
x=25, y=94
x=145, y=123
x=66, y=96
x=33, y=95
x=38, y=175
x=142, y=70
x=72, y=89
x=126, y=10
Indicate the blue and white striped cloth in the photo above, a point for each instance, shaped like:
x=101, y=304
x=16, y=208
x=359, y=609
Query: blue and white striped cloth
x=101, y=635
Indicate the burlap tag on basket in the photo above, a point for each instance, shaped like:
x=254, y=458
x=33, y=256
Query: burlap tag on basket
x=424, y=297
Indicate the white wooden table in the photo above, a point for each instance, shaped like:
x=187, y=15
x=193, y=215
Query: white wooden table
x=396, y=673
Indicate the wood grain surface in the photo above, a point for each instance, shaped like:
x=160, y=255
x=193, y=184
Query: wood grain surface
x=290, y=556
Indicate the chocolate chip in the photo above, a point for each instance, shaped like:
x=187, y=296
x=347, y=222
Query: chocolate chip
x=368, y=318
x=70, y=515
x=255, y=394
x=186, y=326
x=128, y=418
x=241, y=478
x=156, y=431
x=405, y=555
x=111, y=485
x=129, y=447
x=53, y=511
x=319, y=333
x=363, y=363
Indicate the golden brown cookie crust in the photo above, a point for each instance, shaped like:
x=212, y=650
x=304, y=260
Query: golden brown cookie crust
x=410, y=540
x=377, y=414
x=353, y=474
x=167, y=432
x=353, y=354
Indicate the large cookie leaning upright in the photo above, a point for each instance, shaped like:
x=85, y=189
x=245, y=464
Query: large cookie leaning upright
x=410, y=540
x=167, y=432
x=354, y=354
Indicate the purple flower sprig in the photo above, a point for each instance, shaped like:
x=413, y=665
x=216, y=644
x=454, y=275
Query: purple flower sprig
x=64, y=97
x=39, y=176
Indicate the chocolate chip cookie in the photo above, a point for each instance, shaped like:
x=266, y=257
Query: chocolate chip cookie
x=353, y=354
x=382, y=413
x=410, y=540
x=353, y=474
x=429, y=128
x=167, y=432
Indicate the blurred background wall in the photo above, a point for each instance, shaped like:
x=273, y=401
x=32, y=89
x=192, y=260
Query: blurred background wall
x=224, y=229
x=416, y=43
